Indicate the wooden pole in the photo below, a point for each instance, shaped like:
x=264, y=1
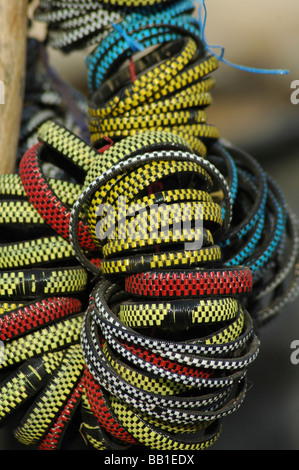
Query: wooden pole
x=13, y=42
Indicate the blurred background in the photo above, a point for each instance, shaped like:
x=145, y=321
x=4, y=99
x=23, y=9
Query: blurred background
x=251, y=109
x=255, y=112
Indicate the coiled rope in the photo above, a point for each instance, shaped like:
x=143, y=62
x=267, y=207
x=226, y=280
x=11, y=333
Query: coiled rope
x=116, y=345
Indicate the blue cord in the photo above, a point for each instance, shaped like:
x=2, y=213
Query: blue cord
x=202, y=24
x=139, y=30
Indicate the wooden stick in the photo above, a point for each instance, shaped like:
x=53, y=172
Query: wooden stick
x=13, y=46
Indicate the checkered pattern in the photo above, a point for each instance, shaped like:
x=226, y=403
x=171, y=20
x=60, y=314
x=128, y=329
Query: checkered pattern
x=34, y=315
x=101, y=409
x=194, y=96
x=144, y=30
x=54, y=436
x=244, y=340
x=12, y=283
x=188, y=428
x=11, y=185
x=138, y=144
x=91, y=429
x=193, y=134
x=160, y=80
x=59, y=335
x=171, y=409
x=70, y=146
x=165, y=368
x=138, y=398
x=205, y=311
x=147, y=223
x=42, y=281
x=35, y=252
x=67, y=280
x=8, y=306
x=160, y=85
x=19, y=212
x=151, y=437
x=163, y=220
x=140, y=388
x=229, y=333
x=142, y=371
x=198, y=368
x=175, y=259
x=141, y=380
x=53, y=398
x=25, y=381
x=112, y=326
x=77, y=24
x=123, y=126
x=47, y=204
x=150, y=380
x=109, y=194
x=189, y=284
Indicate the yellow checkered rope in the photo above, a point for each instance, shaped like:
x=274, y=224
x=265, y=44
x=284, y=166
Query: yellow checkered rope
x=11, y=184
x=68, y=144
x=174, y=259
x=133, y=109
x=35, y=252
x=8, y=306
x=39, y=418
x=59, y=335
x=196, y=95
x=146, y=314
x=151, y=437
x=132, y=184
x=91, y=430
x=130, y=146
x=26, y=380
x=42, y=281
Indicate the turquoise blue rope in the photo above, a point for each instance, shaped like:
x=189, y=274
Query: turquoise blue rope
x=210, y=48
x=139, y=30
x=246, y=256
x=257, y=223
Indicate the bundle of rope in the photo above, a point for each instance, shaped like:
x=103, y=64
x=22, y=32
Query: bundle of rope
x=170, y=92
x=137, y=87
x=44, y=293
x=263, y=235
x=165, y=339
x=147, y=71
x=80, y=24
x=198, y=288
x=152, y=321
